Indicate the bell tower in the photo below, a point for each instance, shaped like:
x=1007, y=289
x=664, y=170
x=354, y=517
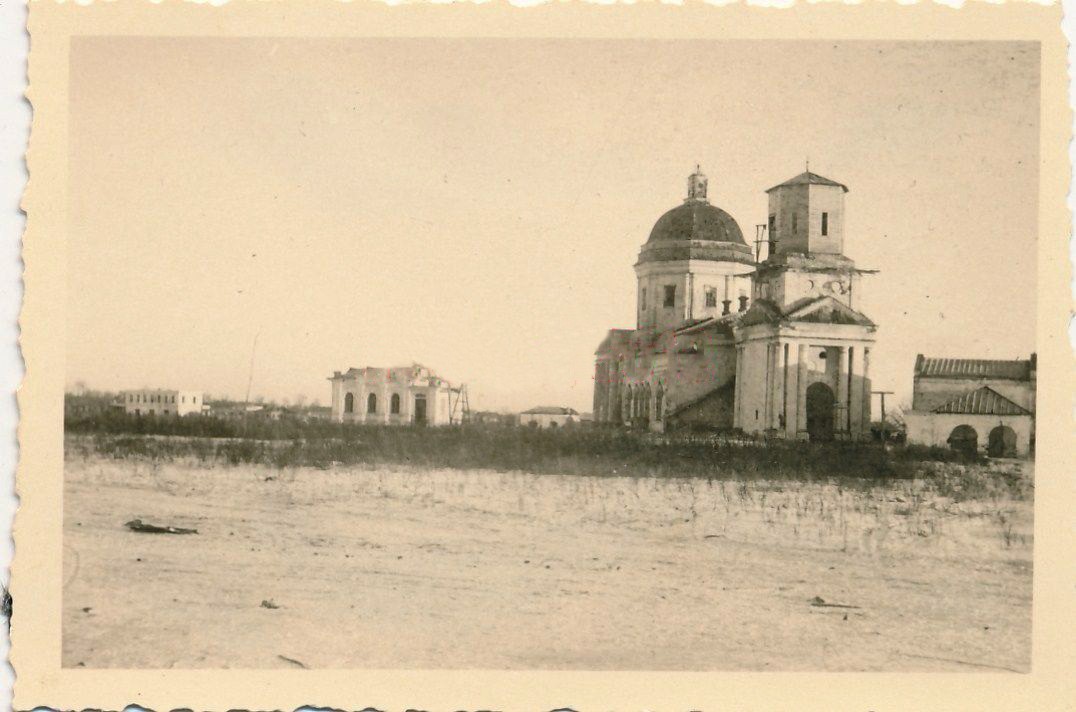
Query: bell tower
x=806, y=244
x=806, y=216
x=804, y=350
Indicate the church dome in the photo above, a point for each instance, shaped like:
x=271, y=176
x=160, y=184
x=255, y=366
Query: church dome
x=697, y=220
x=696, y=230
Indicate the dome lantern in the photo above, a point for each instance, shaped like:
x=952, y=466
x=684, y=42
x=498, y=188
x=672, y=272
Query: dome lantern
x=696, y=185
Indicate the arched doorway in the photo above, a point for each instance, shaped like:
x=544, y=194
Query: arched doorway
x=1001, y=442
x=349, y=403
x=371, y=403
x=645, y=414
x=659, y=403
x=820, y=400
x=964, y=439
x=628, y=405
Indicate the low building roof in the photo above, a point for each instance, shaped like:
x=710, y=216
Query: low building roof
x=1015, y=370
x=550, y=410
x=982, y=401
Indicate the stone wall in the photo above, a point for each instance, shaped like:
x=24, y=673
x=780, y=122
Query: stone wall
x=934, y=429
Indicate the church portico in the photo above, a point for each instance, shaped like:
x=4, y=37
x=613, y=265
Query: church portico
x=774, y=348
x=781, y=364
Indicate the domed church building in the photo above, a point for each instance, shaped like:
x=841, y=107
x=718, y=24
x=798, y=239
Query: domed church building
x=724, y=342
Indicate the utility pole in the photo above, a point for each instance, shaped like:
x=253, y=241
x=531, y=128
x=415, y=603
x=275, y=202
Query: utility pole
x=250, y=379
x=885, y=425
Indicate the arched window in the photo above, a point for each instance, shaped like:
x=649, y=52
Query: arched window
x=394, y=404
x=349, y=403
x=371, y=403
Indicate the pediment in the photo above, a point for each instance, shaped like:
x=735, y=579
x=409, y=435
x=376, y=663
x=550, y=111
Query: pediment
x=827, y=310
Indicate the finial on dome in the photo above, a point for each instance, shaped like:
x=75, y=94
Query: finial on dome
x=696, y=185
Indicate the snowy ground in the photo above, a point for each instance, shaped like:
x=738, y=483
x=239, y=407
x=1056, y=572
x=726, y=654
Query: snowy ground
x=448, y=569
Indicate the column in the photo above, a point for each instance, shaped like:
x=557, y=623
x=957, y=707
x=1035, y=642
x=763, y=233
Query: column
x=791, y=383
x=777, y=410
x=860, y=417
x=801, y=392
x=866, y=389
x=791, y=388
x=767, y=390
x=737, y=405
x=612, y=403
x=842, y=389
x=689, y=296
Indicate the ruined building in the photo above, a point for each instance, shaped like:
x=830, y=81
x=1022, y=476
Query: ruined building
x=775, y=347
x=393, y=396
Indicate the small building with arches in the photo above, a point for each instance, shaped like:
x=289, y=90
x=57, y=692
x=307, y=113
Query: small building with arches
x=974, y=405
x=393, y=396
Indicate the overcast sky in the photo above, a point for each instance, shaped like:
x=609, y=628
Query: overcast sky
x=477, y=205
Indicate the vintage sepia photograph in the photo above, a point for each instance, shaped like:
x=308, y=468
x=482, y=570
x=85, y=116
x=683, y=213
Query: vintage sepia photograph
x=562, y=354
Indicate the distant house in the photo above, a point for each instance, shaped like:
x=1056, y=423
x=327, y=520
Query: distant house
x=974, y=405
x=315, y=412
x=489, y=417
x=161, y=402
x=232, y=409
x=548, y=416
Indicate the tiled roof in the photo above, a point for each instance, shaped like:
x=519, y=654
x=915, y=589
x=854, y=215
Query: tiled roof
x=1018, y=370
x=761, y=311
x=809, y=178
x=722, y=324
x=724, y=390
x=982, y=401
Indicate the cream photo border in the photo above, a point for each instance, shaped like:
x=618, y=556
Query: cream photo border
x=37, y=568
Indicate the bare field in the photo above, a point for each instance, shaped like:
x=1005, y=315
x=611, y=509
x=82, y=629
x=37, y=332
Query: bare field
x=381, y=568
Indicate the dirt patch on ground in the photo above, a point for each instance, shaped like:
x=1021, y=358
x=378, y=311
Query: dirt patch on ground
x=474, y=569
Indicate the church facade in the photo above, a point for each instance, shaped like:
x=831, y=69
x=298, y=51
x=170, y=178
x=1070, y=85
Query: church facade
x=725, y=342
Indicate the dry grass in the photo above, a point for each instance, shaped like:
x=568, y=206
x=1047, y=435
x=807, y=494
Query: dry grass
x=409, y=566
x=566, y=451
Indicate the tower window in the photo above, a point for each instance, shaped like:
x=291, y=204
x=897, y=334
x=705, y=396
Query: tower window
x=711, y=296
x=642, y=298
x=670, y=295
x=794, y=222
x=825, y=224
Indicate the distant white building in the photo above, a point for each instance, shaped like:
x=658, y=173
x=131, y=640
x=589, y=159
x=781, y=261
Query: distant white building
x=548, y=416
x=161, y=402
x=393, y=396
